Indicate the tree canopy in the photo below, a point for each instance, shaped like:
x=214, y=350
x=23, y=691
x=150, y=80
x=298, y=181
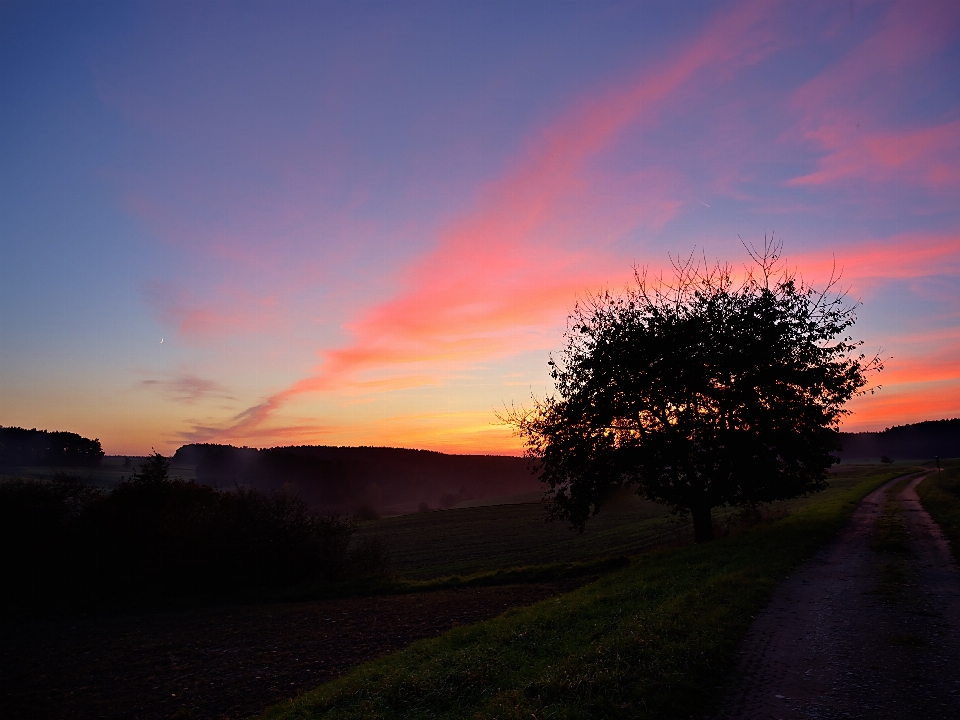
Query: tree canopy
x=699, y=392
x=20, y=447
x=156, y=469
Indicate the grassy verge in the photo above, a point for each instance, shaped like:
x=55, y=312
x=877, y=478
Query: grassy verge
x=940, y=496
x=892, y=545
x=654, y=640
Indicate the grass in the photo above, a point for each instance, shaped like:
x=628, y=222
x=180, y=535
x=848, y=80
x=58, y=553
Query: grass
x=471, y=541
x=655, y=639
x=481, y=539
x=891, y=542
x=891, y=529
x=940, y=496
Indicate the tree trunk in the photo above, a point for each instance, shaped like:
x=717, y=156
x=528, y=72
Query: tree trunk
x=702, y=524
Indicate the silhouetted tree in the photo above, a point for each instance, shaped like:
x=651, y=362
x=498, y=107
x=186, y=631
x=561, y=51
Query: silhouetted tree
x=698, y=393
x=156, y=469
x=25, y=448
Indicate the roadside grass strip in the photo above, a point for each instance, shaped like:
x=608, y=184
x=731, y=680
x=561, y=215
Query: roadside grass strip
x=656, y=639
x=940, y=496
x=891, y=542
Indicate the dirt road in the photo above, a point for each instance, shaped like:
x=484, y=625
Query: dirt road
x=868, y=628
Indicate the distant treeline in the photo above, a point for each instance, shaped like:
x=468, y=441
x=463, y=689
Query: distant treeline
x=67, y=541
x=376, y=479
x=23, y=448
x=352, y=478
x=920, y=441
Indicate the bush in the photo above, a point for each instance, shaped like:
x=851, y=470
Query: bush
x=155, y=536
x=36, y=525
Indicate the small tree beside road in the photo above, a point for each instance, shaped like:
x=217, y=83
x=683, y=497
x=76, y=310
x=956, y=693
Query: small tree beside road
x=698, y=393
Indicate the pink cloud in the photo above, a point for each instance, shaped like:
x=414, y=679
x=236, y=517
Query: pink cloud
x=922, y=379
x=928, y=156
x=849, y=112
x=515, y=265
x=909, y=33
x=908, y=255
x=941, y=365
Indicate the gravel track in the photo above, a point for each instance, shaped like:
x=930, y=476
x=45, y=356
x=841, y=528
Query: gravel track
x=860, y=631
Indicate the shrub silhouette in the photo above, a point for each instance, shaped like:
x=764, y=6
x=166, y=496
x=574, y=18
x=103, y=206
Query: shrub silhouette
x=156, y=536
x=37, y=520
x=155, y=470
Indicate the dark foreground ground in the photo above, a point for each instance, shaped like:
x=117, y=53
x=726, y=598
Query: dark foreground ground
x=219, y=662
x=231, y=662
x=868, y=628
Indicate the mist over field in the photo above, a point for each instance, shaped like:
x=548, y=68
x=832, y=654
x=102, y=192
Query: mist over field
x=385, y=480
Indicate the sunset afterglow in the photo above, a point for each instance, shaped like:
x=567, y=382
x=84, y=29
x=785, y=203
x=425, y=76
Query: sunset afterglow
x=366, y=224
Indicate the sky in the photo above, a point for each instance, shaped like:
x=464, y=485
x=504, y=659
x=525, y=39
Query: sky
x=278, y=223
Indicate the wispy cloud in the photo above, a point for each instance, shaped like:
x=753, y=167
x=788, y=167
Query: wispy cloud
x=499, y=276
x=300, y=433
x=236, y=310
x=927, y=156
x=906, y=255
x=853, y=112
x=186, y=388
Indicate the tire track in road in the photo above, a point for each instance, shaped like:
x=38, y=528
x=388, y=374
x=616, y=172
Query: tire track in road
x=839, y=639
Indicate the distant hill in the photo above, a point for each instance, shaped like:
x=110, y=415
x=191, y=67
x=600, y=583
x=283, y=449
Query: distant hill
x=393, y=480
x=920, y=441
x=20, y=447
x=388, y=480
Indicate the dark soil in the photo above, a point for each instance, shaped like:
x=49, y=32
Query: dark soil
x=868, y=628
x=227, y=662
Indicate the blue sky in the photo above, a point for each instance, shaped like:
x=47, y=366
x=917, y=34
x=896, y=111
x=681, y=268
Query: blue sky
x=365, y=223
